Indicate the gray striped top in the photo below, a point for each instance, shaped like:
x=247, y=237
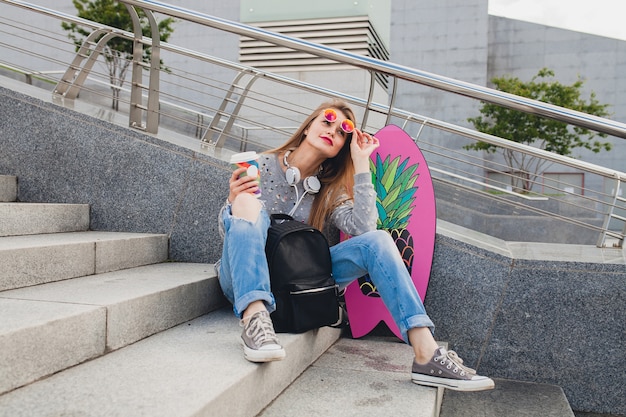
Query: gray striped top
x=353, y=217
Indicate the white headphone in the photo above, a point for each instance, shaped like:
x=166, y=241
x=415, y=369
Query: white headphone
x=311, y=184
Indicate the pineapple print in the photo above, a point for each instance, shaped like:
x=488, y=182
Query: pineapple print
x=394, y=183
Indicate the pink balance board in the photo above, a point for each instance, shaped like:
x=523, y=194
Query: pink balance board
x=406, y=209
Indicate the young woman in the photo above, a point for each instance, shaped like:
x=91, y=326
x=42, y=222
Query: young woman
x=321, y=176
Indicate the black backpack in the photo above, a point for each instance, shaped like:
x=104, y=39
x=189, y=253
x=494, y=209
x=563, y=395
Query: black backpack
x=301, y=276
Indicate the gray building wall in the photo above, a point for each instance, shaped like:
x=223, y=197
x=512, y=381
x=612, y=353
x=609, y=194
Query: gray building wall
x=448, y=38
x=458, y=39
x=204, y=40
x=520, y=49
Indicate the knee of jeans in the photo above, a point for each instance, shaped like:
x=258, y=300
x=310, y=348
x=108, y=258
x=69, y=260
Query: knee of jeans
x=239, y=220
x=381, y=239
x=262, y=221
x=381, y=244
x=246, y=205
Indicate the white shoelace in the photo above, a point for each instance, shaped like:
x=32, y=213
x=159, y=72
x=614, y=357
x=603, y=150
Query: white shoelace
x=455, y=360
x=260, y=330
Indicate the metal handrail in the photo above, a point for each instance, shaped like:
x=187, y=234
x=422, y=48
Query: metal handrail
x=483, y=93
x=523, y=104
x=474, y=91
x=410, y=74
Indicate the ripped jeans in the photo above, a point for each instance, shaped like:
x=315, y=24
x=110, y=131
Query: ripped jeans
x=244, y=274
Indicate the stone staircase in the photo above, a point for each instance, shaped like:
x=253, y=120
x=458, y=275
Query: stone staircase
x=100, y=324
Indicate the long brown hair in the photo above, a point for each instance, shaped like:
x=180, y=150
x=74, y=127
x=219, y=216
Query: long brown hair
x=337, y=175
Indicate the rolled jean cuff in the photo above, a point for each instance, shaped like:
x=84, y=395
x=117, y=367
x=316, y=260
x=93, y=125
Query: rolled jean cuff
x=241, y=304
x=421, y=320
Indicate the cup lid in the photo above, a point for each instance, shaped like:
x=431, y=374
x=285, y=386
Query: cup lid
x=243, y=157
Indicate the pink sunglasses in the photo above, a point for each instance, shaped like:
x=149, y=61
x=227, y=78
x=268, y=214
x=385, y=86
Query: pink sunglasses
x=346, y=125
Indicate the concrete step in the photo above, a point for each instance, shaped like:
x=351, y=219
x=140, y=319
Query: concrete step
x=50, y=327
x=37, y=259
x=194, y=369
x=371, y=377
x=8, y=188
x=509, y=398
x=360, y=378
x=36, y=218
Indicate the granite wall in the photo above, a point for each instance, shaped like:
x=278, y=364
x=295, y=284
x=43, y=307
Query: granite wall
x=132, y=181
x=543, y=314
x=548, y=321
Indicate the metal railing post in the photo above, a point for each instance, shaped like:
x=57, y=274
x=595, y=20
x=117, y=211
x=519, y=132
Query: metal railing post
x=612, y=215
x=136, y=114
x=74, y=77
x=219, y=135
x=136, y=95
x=152, y=118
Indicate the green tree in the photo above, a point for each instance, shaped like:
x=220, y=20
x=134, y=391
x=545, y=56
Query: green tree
x=118, y=53
x=529, y=129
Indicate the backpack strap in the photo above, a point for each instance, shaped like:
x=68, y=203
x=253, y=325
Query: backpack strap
x=279, y=218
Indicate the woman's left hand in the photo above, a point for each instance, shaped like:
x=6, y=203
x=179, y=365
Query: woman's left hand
x=361, y=147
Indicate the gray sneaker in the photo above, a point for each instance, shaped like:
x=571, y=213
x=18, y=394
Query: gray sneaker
x=260, y=343
x=446, y=370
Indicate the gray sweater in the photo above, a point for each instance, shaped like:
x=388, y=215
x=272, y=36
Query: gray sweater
x=353, y=217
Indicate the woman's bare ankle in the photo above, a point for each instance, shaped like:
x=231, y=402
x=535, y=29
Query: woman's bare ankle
x=253, y=308
x=423, y=343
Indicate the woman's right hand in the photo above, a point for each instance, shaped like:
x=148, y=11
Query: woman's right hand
x=245, y=184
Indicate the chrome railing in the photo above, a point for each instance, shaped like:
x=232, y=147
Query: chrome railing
x=239, y=114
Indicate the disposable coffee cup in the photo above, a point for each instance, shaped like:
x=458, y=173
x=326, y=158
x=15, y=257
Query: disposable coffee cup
x=250, y=161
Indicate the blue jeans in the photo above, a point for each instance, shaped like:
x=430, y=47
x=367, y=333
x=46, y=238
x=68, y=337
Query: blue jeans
x=373, y=252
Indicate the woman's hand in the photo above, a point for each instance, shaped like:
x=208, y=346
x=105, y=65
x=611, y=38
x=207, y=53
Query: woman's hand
x=245, y=184
x=361, y=147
